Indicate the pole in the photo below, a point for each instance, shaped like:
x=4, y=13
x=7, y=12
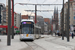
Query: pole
x=63, y=22
x=12, y=19
x=9, y=23
x=35, y=14
x=68, y=21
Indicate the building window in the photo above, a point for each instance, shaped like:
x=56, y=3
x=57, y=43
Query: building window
x=74, y=22
x=74, y=17
x=74, y=13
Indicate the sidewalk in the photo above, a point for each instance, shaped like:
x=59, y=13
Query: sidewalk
x=47, y=42
x=59, y=41
x=56, y=43
x=15, y=43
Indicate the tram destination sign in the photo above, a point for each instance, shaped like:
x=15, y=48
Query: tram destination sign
x=26, y=22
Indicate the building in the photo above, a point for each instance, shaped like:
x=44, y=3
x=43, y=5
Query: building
x=25, y=17
x=72, y=14
x=3, y=14
x=60, y=21
x=47, y=21
x=6, y=12
x=40, y=22
x=17, y=19
x=45, y=28
x=55, y=20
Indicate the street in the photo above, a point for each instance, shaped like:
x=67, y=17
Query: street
x=41, y=20
x=46, y=42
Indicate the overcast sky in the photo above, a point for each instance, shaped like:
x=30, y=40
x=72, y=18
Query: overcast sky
x=21, y=8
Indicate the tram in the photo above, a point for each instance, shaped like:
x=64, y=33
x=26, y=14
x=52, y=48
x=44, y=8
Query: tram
x=28, y=30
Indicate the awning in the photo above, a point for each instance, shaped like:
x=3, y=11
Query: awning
x=5, y=26
x=15, y=27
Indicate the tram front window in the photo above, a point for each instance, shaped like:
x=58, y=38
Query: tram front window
x=27, y=29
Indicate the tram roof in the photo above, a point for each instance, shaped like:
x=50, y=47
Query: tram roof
x=27, y=20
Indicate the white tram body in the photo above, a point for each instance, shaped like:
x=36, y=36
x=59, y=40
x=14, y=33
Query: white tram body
x=28, y=30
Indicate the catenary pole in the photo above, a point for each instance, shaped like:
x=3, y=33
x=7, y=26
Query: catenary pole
x=35, y=14
x=9, y=23
x=63, y=22
x=12, y=19
x=68, y=21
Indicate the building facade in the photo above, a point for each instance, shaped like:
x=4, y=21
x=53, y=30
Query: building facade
x=55, y=20
x=40, y=22
x=45, y=28
x=17, y=20
x=47, y=21
x=24, y=17
x=3, y=14
x=71, y=15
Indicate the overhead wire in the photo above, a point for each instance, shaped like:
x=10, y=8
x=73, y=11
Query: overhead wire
x=29, y=8
x=40, y=8
x=49, y=6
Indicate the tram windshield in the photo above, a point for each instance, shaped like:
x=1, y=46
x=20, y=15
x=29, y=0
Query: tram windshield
x=27, y=29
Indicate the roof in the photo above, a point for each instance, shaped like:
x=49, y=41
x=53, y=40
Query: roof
x=27, y=20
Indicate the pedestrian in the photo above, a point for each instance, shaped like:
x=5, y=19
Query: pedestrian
x=57, y=34
x=72, y=35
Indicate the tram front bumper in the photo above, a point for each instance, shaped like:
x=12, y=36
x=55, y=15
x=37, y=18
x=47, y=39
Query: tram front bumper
x=27, y=38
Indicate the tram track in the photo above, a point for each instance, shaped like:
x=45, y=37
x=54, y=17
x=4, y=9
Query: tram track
x=34, y=46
